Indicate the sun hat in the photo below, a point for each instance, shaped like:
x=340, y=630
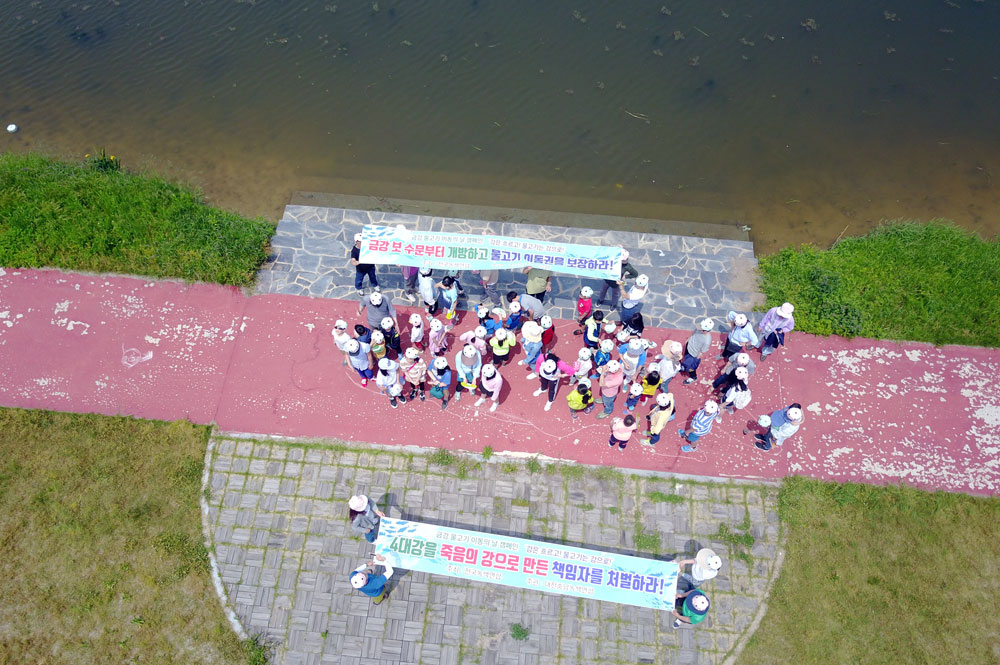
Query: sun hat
x=358, y=579
x=622, y=336
x=377, y=337
x=480, y=332
x=469, y=351
x=625, y=255
x=489, y=369
x=340, y=324
x=743, y=359
x=415, y=319
x=610, y=327
x=711, y=406
x=635, y=389
x=635, y=346
x=387, y=323
x=742, y=373
x=500, y=334
x=653, y=367
x=607, y=345
x=583, y=354
x=358, y=502
x=515, y=307
x=357, y=237
x=482, y=311
x=585, y=382
x=436, y=325
x=546, y=322
x=664, y=400
x=764, y=421
x=499, y=311
x=786, y=309
x=375, y=298
x=549, y=366
x=440, y=362
x=613, y=366
x=642, y=281
x=352, y=346
x=706, y=324
x=532, y=332
x=412, y=353
x=794, y=414
x=586, y=292
x=385, y=364
x=740, y=320
x=395, y=390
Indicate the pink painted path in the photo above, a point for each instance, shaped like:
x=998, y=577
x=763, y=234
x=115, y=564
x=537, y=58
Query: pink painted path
x=876, y=412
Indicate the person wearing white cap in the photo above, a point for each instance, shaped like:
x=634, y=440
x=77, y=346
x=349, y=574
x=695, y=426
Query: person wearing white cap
x=741, y=335
x=641, y=287
x=362, y=269
x=490, y=383
x=705, y=565
x=364, y=579
x=550, y=370
x=581, y=399
x=477, y=338
x=340, y=337
x=439, y=380
x=634, y=394
x=360, y=359
x=698, y=343
x=548, y=332
x=387, y=379
x=742, y=359
x=516, y=318
x=633, y=358
x=468, y=364
x=658, y=417
x=775, y=325
x=530, y=305
x=448, y=296
x=615, y=286
x=602, y=356
x=584, y=307
x=583, y=365
x=737, y=396
x=414, y=370
x=392, y=338
x=701, y=424
x=784, y=423
x=437, y=340
x=378, y=307
x=612, y=380
x=502, y=342
x=364, y=516
x=417, y=331
x=428, y=292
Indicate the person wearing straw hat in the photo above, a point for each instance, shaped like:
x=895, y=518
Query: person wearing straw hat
x=363, y=579
x=784, y=423
x=531, y=340
x=364, y=516
x=704, y=566
x=773, y=328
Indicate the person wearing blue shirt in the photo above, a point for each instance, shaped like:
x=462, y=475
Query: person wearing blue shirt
x=364, y=580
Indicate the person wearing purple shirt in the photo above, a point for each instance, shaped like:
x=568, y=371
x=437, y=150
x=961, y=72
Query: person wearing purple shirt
x=777, y=323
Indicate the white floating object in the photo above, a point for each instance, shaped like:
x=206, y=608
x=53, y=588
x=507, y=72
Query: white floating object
x=12, y=128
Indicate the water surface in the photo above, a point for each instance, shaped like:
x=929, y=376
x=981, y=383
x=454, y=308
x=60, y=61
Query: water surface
x=628, y=107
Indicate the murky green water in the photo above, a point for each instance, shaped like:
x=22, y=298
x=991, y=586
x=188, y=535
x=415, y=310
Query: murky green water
x=628, y=107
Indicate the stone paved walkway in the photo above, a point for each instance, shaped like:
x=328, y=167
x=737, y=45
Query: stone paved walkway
x=277, y=524
x=690, y=277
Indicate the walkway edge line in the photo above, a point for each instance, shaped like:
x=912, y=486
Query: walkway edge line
x=741, y=644
x=220, y=589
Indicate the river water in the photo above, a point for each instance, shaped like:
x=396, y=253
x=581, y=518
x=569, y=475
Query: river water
x=806, y=118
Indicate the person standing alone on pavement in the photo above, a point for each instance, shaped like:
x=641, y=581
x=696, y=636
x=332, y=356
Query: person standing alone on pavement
x=362, y=269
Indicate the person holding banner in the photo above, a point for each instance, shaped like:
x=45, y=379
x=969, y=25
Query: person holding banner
x=539, y=282
x=364, y=580
x=488, y=280
x=362, y=269
x=628, y=272
x=364, y=515
x=690, y=607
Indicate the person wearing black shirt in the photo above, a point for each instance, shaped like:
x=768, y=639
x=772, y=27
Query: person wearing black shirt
x=362, y=269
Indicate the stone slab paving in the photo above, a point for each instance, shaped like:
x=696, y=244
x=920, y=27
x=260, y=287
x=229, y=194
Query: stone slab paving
x=689, y=277
x=276, y=522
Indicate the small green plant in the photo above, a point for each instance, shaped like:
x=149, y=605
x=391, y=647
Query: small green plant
x=613, y=510
x=519, y=632
x=508, y=467
x=586, y=506
x=256, y=650
x=324, y=634
x=104, y=162
x=497, y=506
x=661, y=497
x=739, y=538
x=573, y=471
x=487, y=453
x=609, y=473
x=533, y=465
x=464, y=465
x=650, y=542
x=523, y=503
x=441, y=457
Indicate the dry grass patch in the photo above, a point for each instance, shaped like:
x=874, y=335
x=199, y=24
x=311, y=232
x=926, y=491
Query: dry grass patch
x=101, y=557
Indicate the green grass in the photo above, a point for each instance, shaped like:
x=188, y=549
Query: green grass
x=487, y=452
x=927, y=282
x=519, y=632
x=101, y=555
x=533, y=465
x=83, y=217
x=882, y=575
x=441, y=457
x=661, y=497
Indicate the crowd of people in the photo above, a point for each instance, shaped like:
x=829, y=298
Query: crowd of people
x=618, y=360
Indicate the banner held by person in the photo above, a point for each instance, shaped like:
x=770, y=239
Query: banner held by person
x=455, y=251
x=528, y=564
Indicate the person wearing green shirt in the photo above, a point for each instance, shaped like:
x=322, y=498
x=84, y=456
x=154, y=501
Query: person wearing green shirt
x=692, y=605
x=539, y=282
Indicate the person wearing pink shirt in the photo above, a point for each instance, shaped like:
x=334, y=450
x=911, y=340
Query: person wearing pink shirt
x=490, y=383
x=612, y=378
x=477, y=338
x=621, y=431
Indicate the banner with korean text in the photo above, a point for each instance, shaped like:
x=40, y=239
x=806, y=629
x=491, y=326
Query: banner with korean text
x=456, y=251
x=528, y=564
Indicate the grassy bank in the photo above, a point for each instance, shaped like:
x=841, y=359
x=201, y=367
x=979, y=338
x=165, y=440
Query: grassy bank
x=882, y=575
x=924, y=282
x=96, y=217
x=101, y=558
